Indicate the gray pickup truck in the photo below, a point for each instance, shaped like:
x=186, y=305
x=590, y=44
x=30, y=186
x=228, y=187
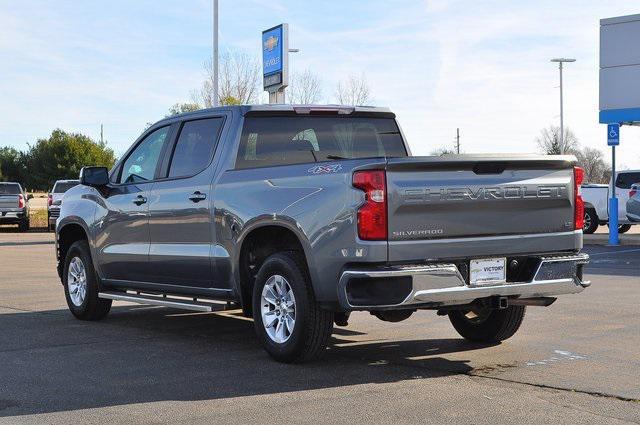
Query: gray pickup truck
x=14, y=205
x=303, y=214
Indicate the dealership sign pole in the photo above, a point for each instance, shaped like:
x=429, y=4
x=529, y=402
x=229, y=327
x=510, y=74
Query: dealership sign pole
x=613, y=140
x=619, y=93
x=275, y=62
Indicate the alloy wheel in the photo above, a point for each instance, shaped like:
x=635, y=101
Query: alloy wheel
x=77, y=281
x=278, y=308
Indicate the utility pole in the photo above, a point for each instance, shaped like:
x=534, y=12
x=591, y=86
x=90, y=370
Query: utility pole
x=101, y=135
x=457, y=140
x=560, y=62
x=216, y=100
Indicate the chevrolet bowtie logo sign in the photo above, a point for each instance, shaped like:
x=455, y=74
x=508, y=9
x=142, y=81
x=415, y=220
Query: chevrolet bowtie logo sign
x=271, y=43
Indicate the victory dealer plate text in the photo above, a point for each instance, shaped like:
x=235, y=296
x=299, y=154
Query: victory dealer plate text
x=488, y=271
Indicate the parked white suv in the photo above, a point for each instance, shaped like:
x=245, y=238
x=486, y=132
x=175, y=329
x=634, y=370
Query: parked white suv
x=596, y=201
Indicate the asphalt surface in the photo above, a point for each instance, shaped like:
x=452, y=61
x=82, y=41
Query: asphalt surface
x=577, y=361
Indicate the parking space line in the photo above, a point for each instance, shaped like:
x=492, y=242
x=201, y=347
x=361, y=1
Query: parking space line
x=615, y=252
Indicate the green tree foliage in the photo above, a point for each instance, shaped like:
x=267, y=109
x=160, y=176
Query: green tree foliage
x=61, y=156
x=11, y=164
x=230, y=100
x=180, y=108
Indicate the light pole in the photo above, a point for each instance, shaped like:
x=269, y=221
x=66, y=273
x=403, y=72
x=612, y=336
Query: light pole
x=560, y=62
x=216, y=100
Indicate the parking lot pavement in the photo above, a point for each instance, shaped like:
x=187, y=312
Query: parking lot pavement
x=576, y=361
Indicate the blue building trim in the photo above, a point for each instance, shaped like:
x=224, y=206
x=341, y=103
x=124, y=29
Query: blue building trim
x=610, y=116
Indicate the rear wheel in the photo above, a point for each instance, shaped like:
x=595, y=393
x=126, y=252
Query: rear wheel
x=289, y=323
x=624, y=228
x=81, y=284
x=482, y=324
x=590, y=221
x=23, y=226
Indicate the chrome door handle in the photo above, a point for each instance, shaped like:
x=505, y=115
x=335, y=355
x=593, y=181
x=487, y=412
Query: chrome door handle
x=140, y=200
x=198, y=196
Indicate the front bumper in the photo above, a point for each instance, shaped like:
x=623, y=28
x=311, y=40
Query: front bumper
x=436, y=285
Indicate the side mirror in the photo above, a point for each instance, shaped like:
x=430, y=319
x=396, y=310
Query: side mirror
x=94, y=176
x=29, y=197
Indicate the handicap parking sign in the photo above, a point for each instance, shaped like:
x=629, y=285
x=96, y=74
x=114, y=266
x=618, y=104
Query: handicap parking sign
x=613, y=134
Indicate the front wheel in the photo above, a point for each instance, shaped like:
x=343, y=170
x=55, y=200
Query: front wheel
x=288, y=322
x=81, y=284
x=486, y=325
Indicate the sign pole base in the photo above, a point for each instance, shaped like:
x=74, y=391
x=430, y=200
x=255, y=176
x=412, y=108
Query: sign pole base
x=613, y=222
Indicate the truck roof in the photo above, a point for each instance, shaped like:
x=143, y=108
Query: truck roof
x=281, y=107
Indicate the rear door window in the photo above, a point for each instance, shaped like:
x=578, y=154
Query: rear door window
x=625, y=180
x=62, y=187
x=194, y=148
x=10, y=189
x=284, y=140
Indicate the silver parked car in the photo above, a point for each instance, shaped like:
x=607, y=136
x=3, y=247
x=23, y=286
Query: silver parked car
x=633, y=204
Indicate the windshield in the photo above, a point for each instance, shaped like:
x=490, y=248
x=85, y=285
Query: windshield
x=286, y=140
x=62, y=187
x=10, y=189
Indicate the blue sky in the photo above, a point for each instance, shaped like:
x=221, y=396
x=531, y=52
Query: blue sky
x=482, y=66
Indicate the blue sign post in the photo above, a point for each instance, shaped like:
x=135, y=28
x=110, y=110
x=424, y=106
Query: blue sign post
x=275, y=62
x=613, y=140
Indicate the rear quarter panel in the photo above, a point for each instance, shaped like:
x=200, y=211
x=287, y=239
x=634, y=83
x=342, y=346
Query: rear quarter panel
x=318, y=204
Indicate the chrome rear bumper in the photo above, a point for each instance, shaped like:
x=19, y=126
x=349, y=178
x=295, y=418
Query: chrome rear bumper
x=442, y=284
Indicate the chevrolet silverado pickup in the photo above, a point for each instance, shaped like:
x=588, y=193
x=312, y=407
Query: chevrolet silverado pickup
x=14, y=205
x=302, y=215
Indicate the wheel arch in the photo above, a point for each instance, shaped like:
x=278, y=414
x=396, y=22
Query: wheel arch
x=260, y=240
x=66, y=234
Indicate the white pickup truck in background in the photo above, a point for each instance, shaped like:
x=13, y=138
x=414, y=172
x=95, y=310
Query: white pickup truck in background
x=596, y=201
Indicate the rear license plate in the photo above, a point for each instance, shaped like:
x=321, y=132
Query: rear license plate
x=488, y=271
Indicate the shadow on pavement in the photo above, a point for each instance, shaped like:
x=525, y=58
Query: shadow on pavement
x=50, y=362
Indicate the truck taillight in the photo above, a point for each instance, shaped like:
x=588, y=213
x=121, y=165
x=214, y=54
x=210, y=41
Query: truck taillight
x=20, y=201
x=50, y=200
x=372, y=215
x=578, y=178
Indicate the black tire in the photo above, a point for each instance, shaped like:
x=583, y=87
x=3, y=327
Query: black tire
x=590, y=221
x=313, y=325
x=624, y=228
x=23, y=226
x=490, y=325
x=92, y=307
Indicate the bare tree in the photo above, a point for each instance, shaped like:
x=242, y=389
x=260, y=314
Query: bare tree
x=354, y=91
x=305, y=88
x=238, y=84
x=596, y=170
x=549, y=141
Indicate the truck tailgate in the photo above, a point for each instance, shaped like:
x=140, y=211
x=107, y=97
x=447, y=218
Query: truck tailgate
x=8, y=202
x=476, y=199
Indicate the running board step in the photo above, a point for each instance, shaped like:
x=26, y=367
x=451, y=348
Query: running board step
x=162, y=300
